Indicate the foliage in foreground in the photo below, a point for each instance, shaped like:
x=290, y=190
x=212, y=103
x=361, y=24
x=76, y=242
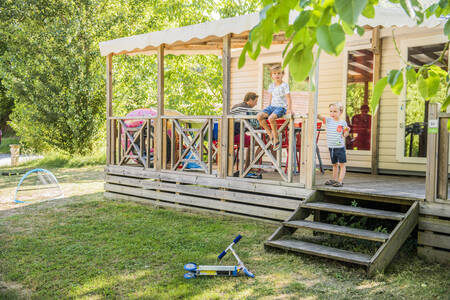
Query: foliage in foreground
x=326, y=23
x=92, y=248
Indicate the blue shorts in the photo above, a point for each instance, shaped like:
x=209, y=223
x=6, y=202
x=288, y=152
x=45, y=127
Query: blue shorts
x=279, y=111
x=338, y=155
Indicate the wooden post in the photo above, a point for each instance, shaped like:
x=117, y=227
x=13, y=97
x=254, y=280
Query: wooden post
x=432, y=155
x=375, y=130
x=442, y=180
x=210, y=144
x=311, y=132
x=158, y=128
x=291, y=150
x=230, y=151
x=241, y=147
x=148, y=143
x=109, y=110
x=164, y=144
x=303, y=142
x=226, y=65
x=173, y=144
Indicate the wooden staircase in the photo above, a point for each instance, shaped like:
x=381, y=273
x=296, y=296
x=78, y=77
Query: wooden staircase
x=402, y=222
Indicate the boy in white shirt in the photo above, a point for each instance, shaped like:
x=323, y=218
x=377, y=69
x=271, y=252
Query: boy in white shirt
x=279, y=101
x=337, y=131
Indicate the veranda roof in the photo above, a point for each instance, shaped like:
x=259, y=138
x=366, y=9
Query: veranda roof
x=206, y=38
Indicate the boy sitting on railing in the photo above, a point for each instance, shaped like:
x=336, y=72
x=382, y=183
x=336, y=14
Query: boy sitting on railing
x=279, y=100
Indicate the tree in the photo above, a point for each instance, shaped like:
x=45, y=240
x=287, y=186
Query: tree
x=52, y=70
x=326, y=23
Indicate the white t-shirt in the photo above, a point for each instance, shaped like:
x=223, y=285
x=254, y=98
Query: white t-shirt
x=279, y=94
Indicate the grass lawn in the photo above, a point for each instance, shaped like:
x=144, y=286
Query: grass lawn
x=87, y=247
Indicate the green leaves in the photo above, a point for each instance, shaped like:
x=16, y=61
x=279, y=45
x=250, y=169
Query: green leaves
x=331, y=38
x=395, y=80
x=447, y=28
x=411, y=75
x=302, y=19
x=377, y=92
x=301, y=64
x=350, y=10
x=429, y=86
x=446, y=104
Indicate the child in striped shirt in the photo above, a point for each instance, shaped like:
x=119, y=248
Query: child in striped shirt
x=337, y=131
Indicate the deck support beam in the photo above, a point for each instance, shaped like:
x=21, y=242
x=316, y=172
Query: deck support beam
x=374, y=143
x=432, y=154
x=160, y=111
x=442, y=180
x=311, y=131
x=226, y=65
x=109, y=110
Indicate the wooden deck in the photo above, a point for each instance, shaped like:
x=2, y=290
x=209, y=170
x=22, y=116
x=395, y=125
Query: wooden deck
x=399, y=187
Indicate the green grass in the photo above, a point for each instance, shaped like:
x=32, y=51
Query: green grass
x=6, y=141
x=87, y=247
x=58, y=160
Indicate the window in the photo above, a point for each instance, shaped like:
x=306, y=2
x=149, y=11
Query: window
x=358, y=93
x=416, y=108
x=267, y=80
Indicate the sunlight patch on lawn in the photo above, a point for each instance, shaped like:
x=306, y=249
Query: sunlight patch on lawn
x=101, y=284
x=69, y=189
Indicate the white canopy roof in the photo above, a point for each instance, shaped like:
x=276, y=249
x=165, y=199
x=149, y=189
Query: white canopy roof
x=206, y=37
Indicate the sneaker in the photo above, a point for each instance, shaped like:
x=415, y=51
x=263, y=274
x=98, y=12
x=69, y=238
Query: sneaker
x=330, y=182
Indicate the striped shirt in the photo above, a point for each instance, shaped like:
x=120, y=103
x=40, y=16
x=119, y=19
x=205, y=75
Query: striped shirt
x=279, y=94
x=335, y=130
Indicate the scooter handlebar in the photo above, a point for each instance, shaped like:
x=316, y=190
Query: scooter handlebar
x=222, y=254
x=237, y=239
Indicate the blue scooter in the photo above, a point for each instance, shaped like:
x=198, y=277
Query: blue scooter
x=194, y=270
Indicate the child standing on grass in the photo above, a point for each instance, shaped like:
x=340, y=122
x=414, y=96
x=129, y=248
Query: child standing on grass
x=279, y=101
x=337, y=131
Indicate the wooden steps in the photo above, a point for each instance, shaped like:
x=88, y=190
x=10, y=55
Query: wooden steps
x=356, y=211
x=339, y=230
x=324, y=251
x=402, y=223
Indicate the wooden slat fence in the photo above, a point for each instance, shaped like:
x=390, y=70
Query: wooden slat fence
x=131, y=144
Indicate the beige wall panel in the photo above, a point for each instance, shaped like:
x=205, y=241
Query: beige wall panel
x=404, y=167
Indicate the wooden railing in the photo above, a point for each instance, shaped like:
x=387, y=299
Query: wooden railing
x=261, y=147
x=193, y=144
x=437, y=155
x=131, y=141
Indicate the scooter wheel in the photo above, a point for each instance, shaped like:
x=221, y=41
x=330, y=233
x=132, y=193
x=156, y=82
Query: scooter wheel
x=191, y=267
x=189, y=275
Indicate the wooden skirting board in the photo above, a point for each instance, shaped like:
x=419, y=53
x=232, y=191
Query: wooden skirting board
x=175, y=189
x=434, y=232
